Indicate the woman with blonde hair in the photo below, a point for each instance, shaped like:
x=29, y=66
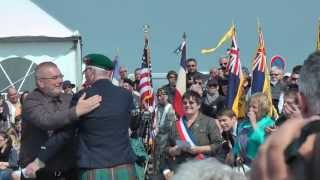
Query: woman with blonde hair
x=251, y=132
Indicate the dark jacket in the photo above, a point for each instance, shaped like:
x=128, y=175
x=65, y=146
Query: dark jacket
x=205, y=132
x=214, y=107
x=10, y=155
x=103, y=139
x=171, y=91
x=43, y=116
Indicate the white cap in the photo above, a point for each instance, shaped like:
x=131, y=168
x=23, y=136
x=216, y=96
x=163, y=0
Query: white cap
x=287, y=74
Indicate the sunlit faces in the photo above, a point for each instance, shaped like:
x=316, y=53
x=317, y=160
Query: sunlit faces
x=51, y=81
x=190, y=106
x=275, y=75
x=289, y=102
x=223, y=62
x=172, y=79
x=123, y=72
x=212, y=89
x=3, y=140
x=162, y=98
x=254, y=107
x=226, y=123
x=191, y=66
x=294, y=78
x=89, y=74
x=137, y=75
x=13, y=95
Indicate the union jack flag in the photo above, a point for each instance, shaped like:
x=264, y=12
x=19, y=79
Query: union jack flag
x=260, y=74
x=235, y=100
x=234, y=65
x=259, y=66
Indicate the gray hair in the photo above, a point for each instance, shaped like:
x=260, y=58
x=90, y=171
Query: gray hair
x=39, y=70
x=276, y=68
x=309, y=83
x=99, y=72
x=208, y=169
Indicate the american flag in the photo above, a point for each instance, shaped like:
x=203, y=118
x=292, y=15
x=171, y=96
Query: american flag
x=235, y=96
x=145, y=84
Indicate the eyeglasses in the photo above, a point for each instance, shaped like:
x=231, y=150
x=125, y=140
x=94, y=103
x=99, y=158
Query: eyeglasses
x=221, y=64
x=188, y=102
x=199, y=83
x=123, y=71
x=158, y=95
x=191, y=65
x=172, y=77
x=212, y=86
x=54, y=77
x=274, y=74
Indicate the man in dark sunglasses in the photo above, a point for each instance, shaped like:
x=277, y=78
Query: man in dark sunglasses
x=192, y=71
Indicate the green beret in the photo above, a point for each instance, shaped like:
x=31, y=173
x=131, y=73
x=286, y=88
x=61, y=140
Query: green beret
x=98, y=60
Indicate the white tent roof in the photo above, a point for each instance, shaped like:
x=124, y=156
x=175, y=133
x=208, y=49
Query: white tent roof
x=22, y=18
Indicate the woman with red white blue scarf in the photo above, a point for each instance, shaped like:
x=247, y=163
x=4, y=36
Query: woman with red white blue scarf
x=194, y=136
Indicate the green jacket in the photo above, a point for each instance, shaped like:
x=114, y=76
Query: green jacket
x=249, y=140
x=205, y=132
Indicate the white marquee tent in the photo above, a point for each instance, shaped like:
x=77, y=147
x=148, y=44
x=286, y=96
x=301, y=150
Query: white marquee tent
x=29, y=36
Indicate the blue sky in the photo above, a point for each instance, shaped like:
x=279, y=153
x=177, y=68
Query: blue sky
x=289, y=28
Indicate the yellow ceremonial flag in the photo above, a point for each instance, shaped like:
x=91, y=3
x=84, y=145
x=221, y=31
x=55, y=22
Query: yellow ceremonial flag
x=318, y=36
x=223, y=39
x=267, y=91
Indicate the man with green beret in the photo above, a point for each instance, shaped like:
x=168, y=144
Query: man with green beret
x=104, y=150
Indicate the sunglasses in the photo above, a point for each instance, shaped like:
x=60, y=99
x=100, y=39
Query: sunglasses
x=274, y=74
x=172, y=77
x=221, y=64
x=199, y=83
x=213, y=86
x=188, y=102
x=191, y=65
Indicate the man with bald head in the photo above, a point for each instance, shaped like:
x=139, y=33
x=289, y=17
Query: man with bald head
x=45, y=112
x=11, y=108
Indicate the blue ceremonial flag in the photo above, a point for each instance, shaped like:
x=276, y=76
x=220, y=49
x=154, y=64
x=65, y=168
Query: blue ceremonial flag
x=259, y=67
x=260, y=74
x=235, y=96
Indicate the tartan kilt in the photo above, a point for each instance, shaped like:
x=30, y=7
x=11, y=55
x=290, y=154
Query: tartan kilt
x=122, y=172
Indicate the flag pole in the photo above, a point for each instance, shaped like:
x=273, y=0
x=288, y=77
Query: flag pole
x=318, y=35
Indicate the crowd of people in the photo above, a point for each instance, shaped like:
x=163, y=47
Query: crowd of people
x=105, y=131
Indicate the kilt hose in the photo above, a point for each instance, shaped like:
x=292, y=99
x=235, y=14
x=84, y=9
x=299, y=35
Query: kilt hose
x=121, y=172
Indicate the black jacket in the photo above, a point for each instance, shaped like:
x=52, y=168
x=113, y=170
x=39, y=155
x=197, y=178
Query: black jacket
x=42, y=117
x=103, y=139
